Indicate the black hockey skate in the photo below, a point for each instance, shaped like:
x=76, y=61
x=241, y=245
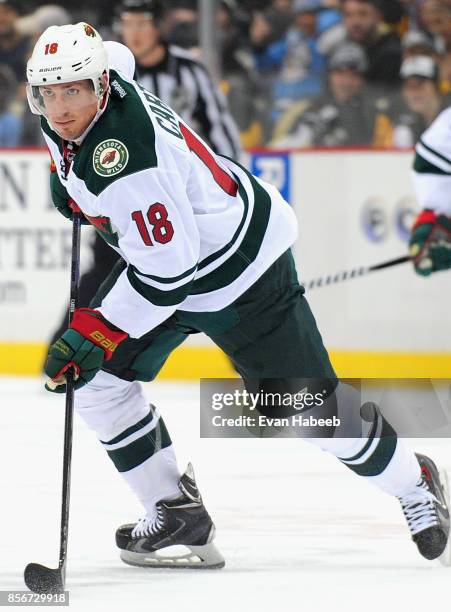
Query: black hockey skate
x=427, y=512
x=180, y=535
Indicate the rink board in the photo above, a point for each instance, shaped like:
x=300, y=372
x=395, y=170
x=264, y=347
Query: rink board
x=354, y=209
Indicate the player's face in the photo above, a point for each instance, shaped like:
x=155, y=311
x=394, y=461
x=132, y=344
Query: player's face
x=360, y=19
x=419, y=94
x=70, y=107
x=139, y=33
x=345, y=84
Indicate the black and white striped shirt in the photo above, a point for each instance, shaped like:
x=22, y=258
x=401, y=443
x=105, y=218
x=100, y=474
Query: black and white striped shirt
x=186, y=86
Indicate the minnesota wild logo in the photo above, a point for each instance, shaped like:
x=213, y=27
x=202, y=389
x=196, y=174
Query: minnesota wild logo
x=89, y=30
x=110, y=157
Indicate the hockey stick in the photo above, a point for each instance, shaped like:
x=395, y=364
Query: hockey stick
x=38, y=578
x=333, y=279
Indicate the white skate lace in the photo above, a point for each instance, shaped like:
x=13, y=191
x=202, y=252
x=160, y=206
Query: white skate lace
x=419, y=508
x=149, y=525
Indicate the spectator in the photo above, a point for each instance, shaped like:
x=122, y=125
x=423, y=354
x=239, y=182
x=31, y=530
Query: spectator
x=394, y=13
x=10, y=123
x=268, y=27
x=180, y=26
x=233, y=29
x=281, y=6
x=14, y=47
x=345, y=114
x=297, y=63
x=363, y=24
x=245, y=96
x=268, y=47
x=417, y=42
x=280, y=16
x=185, y=34
x=413, y=10
x=329, y=16
x=437, y=18
x=422, y=99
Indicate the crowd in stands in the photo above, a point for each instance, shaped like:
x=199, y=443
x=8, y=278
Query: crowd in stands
x=296, y=73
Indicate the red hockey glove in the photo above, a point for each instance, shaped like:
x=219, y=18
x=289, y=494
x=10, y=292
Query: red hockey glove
x=430, y=243
x=89, y=341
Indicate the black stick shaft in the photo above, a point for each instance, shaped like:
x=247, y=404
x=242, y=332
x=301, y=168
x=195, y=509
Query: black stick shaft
x=69, y=413
x=333, y=279
x=390, y=263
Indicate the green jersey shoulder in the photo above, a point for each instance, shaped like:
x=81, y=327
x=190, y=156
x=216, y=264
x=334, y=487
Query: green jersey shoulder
x=122, y=141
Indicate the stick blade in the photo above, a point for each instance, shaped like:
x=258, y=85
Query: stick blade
x=41, y=579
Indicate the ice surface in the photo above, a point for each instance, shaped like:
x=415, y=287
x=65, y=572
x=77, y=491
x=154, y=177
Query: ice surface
x=297, y=529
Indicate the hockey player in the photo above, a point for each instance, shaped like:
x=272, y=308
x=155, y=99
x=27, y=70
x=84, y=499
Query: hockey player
x=204, y=246
x=430, y=242
x=177, y=79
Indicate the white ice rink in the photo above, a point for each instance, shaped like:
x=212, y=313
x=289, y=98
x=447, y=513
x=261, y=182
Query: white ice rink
x=297, y=529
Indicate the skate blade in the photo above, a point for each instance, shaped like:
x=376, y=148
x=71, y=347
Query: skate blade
x=177, y=556
x=445, y=557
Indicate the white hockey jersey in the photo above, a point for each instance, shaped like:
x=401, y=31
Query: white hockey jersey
x=432, y=166
x=196, y=229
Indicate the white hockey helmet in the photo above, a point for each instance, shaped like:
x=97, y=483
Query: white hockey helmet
x=64, y=54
